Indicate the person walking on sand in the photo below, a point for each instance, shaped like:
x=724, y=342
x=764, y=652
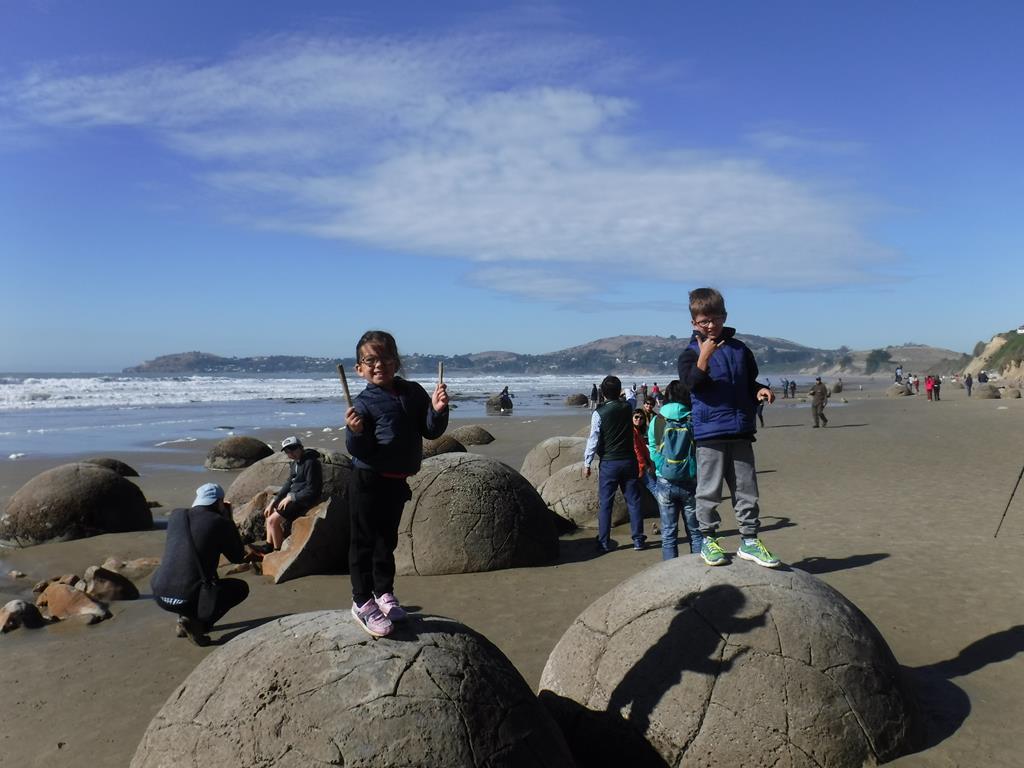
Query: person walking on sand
x=186, y=582
x=792, y=389
x=672, y=450
x=299, y=494
x=720, y=373
x=936, y=387
x=819, y=397
x=968, y=383
x=929, y=384
x=593, y=398
x=611, y=438
x=386, y=425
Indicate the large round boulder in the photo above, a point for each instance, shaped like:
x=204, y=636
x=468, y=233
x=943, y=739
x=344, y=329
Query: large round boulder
x=73, y=501
x=237, y=452
x=312, y=689
x=551, y=455
x=124, y=470
x=898, y=390
x=273, y=471
x=443, y=444
x=499, y=403
x=471, y=513
x=1009, y=393
x=575, y=498
x=682, y=662
x=472, y=434
x=985, y=392
x=577, y=399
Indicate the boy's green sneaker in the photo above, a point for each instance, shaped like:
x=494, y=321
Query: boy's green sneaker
x=711, y=552
x=757, y=552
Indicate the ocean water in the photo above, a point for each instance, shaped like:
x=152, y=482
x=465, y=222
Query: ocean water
x=64, y=414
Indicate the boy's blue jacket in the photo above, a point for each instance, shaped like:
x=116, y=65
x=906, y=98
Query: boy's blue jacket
x=394, y=425
x=725, y=396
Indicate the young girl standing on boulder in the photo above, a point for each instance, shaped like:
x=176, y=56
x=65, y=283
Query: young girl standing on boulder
x=386, y=426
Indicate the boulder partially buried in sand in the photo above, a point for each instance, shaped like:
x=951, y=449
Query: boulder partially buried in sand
x=1009, y=393
x=578, y=399
x=985, y=392
x=73, y=501
x=551, y=455
x=312, y=689
x=106, y=585
x=18, y=613
x=273, y=470
x=898, y=390
x=682, y=661
x=318, y=543
x=443, y=444
x=237, y=452
x=471, y=513
x=117, y=465
x=472, y=434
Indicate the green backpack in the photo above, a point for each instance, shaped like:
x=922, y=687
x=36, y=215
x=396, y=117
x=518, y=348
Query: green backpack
x=674, y=441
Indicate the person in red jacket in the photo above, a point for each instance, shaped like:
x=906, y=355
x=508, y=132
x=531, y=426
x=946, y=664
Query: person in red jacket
x=928, y=384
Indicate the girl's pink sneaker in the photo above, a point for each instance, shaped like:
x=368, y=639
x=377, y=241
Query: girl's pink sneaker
x=388, y=604
x=371, y=619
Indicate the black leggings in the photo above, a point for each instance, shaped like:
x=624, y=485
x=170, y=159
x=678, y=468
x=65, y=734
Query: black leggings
x=230, y=593
x=375, y=507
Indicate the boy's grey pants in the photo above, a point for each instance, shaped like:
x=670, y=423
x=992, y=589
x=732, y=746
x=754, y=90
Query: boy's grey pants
x=732, y=461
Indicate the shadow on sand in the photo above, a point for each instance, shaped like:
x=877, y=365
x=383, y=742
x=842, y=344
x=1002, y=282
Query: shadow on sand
x=818, y=565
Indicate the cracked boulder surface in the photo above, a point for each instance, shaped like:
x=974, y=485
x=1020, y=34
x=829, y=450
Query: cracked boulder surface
x=74, y=501
x=313, y=689
x=551, y=455
x=317, y=544
x=274, y=469
x=740, y=665
x=443, y=444
x=470, y=513
x=575, y=498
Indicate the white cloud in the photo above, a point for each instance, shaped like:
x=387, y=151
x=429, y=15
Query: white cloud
x=483, y=148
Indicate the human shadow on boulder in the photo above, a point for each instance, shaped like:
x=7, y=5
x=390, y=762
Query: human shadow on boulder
x=944, y=705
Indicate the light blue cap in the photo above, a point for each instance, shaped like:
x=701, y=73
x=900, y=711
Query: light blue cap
x=208, y=494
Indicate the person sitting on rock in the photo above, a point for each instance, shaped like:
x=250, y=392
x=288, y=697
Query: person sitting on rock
x=196, y=539
x=300, y=493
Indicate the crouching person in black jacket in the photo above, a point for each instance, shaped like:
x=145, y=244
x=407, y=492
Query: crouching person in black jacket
x=300, y=493
x=186, y=582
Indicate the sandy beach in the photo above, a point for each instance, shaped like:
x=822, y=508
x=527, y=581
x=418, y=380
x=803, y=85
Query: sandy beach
x=895, y=504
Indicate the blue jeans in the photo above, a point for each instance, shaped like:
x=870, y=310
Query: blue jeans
x=613, y=475
x=673, y=499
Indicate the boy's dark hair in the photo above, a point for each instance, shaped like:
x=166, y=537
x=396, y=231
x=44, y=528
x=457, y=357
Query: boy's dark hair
x=676, y=392
x=611, y=387
x=706, y=301
x=380, y=339
x=650, y=400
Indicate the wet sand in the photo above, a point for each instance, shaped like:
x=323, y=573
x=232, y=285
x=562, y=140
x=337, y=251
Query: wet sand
x=895, y=504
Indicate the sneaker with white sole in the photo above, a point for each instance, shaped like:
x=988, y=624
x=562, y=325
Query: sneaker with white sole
x=371, y=618
x=758, y=553
x=712, y=553
x=390, y=607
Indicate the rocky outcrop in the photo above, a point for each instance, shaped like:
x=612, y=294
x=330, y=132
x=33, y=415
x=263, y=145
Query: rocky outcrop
x=106, y=585
x=551, y=455
x=985, y=392
x=237, y=452
x=318, y=543
x=312, y=689
x=1009, y=393
x=682, y=661
x=73, y=501
x=471, y=513
x=62, y=601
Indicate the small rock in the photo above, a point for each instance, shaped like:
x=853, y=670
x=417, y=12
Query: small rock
x=39, y=586
x=106, y=585
x=240, y=568
x=18, y=613
x=63, y=602
x=16, y=574
x=68, y=578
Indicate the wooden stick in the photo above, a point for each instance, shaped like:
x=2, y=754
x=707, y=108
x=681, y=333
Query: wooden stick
x=344, y=384
x=440, y=372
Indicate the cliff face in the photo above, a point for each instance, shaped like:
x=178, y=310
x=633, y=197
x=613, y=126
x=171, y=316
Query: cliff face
x=1003, y=355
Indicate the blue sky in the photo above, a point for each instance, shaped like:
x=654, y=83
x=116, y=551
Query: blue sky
x=270, y=178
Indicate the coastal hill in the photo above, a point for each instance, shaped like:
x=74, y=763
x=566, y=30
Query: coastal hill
x=634, y=354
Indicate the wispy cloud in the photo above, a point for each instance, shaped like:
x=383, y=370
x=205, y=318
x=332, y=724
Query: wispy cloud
x=782, y=140
x=488, y=148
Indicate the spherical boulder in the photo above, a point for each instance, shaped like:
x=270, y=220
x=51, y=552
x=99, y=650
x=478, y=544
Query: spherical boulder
x=837, y=387
x=682, y=661
x=985, y=392
x=575, y=498
x=499, y=403
x=471, y=513
x=312, y=689
x=115, y=464
x=551, y=455
x=273, y=470
x=443, y=444
x=73, y=501
x=1009, y=393
x=577, y=399
x=472, y=434
x=237, y=452
x=898, y=390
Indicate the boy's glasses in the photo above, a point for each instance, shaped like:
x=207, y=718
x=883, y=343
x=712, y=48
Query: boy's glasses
x=373, y=362
x=708, y=322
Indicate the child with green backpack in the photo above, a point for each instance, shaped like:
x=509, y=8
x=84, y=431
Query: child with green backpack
x=670, y=441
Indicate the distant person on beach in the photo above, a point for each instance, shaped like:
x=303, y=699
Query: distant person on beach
x=593, y=398
x=899, y=374
x=792, y=390
x=785, y=388
x=968, y=383
x=643, y=392
x=917, y=384
x=640, y=450
x=672, y=450
x=611, y=438
x=386, y=426
x=196, y=539
x=936, y=387
x=819, y=397
x=983, y=377
x=505, y=399
x=656, y=393
x=929, y=385
x=631, y=396
x=720, y=373
x=299, y=494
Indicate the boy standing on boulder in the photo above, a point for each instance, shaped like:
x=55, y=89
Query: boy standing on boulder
x=386, y=426
x=721, y=375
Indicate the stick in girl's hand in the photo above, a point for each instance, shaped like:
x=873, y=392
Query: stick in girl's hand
x=440, y=372
x=344, y=384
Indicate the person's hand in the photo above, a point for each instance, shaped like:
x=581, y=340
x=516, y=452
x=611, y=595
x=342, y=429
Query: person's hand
x=283, y=503
x=353, y=421
x=586, y=471
x=708, y=347
x=766, y=394
x=268, y=510
x=439, y=400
